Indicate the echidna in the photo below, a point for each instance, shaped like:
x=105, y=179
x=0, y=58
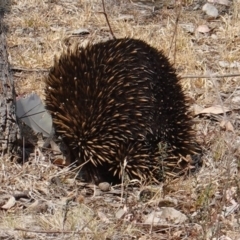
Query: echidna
x=119, y=107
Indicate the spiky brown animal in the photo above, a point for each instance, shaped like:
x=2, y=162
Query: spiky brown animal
x=119, y=107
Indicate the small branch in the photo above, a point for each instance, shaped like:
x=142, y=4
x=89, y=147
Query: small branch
x=178, y=13
x=50, y=231
x=20, y=69
x=65, y=212
x=21, y=195
x=211, y=76
x=105, y=14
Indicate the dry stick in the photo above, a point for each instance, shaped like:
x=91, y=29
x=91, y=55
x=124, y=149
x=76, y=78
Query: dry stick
x=212, y=76
x=23, y=149
x=21, y=195
x=20, y=69
x=123, y=177
x=176, y=26
x=50, y=231
x=105, y=14
x=175, y=34
x=65, y=212
x=184, y=76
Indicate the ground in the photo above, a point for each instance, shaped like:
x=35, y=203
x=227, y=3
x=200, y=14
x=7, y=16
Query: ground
x=39, y=200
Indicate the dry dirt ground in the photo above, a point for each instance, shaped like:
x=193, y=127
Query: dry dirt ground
x=38, y=200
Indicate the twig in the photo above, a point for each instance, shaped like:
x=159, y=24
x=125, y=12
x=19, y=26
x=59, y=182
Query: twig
x=50, y=231
x=211, y=76
x=179, y=9
x=105, y=14
x=21, y=195
x=65, y=212
x=20, y=69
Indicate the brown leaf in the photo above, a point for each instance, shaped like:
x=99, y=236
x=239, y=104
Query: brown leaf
x=10, y=203
x=59, y=162
x=217, y=109
x=80, y=198
x=227, y=125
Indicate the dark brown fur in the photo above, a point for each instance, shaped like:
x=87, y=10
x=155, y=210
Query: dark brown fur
x=119, y=104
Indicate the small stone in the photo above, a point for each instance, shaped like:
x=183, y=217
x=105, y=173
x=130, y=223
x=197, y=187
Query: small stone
x=210, y=10
x=104, y=186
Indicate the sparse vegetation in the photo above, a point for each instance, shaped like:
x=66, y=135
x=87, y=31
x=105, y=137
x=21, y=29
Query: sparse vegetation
x=53, y=204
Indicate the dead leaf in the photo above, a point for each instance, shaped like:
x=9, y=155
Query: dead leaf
x=197, y=109
x=80, y=198
x=120, y=213
x=103, y=217
x=228, y=210
x=165, y=216
x=178, y=233
x=10, y=203
x=59, y=162
x=203, y=29
x=227, y=125
x=222, y=2
x=217, y=109
x=231, y=193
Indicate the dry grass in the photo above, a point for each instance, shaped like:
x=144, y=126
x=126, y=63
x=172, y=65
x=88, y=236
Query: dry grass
x=66, y=209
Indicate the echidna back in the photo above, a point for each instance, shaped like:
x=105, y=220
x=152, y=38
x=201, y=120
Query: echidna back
x=113, y=103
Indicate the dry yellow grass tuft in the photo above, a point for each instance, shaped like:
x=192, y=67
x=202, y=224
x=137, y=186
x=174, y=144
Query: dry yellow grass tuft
x=52, y=204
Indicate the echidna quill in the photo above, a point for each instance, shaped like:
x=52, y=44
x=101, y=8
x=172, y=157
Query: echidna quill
x=119, y=107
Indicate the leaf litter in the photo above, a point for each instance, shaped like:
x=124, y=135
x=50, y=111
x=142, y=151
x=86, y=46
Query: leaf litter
x=41, y=200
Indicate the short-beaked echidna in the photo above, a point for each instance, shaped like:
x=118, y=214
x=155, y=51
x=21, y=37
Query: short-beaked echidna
x=119, y=107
